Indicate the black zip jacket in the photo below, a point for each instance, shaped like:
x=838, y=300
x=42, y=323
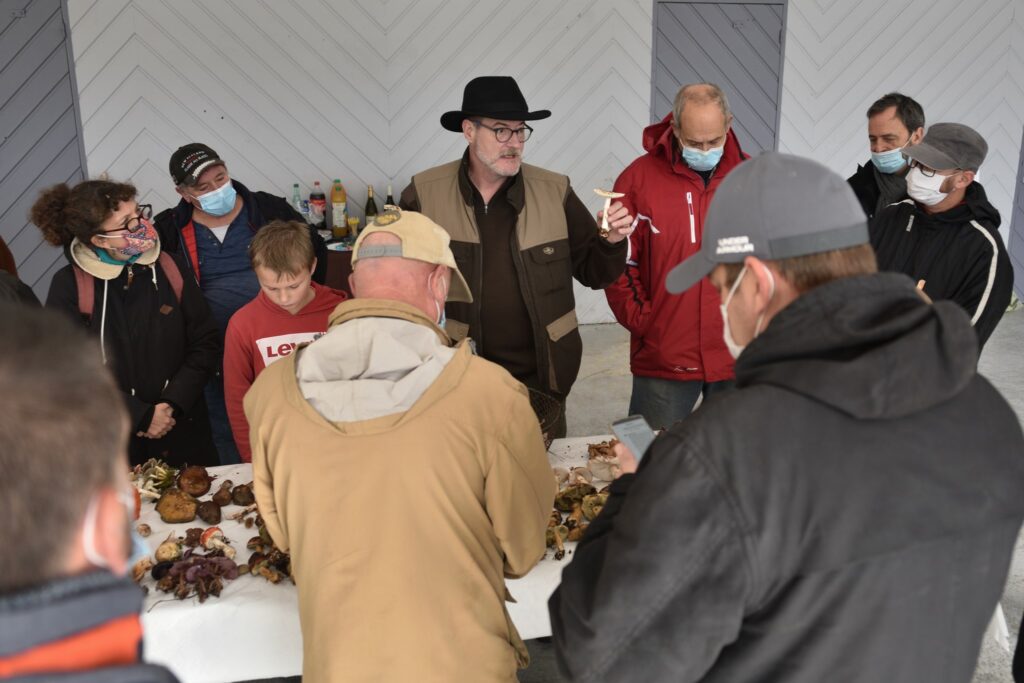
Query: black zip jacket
x=262, y=207
x=865, y=187
x=958, y=253
x=158, y=350
x=848, y=513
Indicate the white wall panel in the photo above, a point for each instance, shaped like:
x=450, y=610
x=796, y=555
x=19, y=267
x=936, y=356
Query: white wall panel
x=963, y=61
x=299, y=90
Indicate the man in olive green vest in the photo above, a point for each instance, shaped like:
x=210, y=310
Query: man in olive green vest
x=519, y=234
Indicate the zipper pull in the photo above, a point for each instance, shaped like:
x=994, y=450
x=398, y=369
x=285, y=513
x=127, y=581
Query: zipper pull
x=910, y=223
x=131, y=276
x=693, y=220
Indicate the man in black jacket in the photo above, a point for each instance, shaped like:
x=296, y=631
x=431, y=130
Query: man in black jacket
x=841, y=516
x=211, y=227
x=67, y=611
x=946, y=236
x=895, y=121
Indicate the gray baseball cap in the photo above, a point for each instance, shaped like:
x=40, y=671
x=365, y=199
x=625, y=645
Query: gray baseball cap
x=949, y=145
x=774, y=206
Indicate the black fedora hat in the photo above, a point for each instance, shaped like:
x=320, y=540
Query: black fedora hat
x=496, y=97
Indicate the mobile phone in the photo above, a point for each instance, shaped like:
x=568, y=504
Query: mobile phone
x=635, y=433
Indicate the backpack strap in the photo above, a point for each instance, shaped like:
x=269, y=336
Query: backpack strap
x=188, y=236
x=173, y=273
x=86, y=292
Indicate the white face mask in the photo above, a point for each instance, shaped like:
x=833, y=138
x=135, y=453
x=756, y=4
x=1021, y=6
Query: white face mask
x=439, y=305
x=736, y=349
x=923, y=189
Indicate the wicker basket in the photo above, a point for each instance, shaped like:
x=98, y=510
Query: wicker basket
x=548, y=411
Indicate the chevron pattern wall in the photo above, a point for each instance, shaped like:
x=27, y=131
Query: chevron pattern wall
x=302, y=90
x=963, y=61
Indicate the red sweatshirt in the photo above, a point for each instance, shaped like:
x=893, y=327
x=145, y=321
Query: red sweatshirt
x=260, y=333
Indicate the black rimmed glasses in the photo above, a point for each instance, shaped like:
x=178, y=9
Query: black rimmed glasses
x=928, y=172
x=504, y=134
x=143, y=213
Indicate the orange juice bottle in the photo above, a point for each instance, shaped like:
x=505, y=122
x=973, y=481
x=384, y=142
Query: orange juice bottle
x=339, y=210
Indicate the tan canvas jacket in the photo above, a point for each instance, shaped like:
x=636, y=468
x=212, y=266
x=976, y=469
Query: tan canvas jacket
x=403, y=527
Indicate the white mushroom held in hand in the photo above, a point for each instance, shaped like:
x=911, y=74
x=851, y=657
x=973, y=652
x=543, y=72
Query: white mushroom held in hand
x=608, y=195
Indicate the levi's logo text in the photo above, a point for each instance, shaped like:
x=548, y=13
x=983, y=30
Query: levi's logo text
x=273, y=349
x=734, y=245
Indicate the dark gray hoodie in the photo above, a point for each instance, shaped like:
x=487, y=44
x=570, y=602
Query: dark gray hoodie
x=847, y=514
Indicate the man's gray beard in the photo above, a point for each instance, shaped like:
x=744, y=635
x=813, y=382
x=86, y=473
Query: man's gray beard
x=501, y=172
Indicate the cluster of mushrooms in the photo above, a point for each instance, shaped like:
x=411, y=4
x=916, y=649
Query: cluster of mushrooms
x=578, y=499
x=200, y=562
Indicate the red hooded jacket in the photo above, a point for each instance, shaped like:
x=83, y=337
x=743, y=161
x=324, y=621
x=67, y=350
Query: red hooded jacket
x=672, y=336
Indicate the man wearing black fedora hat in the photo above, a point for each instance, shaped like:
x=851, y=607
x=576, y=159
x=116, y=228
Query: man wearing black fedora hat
x=520, y=235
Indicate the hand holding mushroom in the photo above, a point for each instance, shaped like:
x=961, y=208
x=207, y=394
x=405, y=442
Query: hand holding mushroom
x=615, y=220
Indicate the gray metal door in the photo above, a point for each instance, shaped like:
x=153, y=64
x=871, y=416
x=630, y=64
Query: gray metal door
x=1016, y=243
x=737, y=46
x=40, y=139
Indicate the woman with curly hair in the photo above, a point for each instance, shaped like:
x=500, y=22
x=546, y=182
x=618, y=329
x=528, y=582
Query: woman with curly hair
x=155, y=329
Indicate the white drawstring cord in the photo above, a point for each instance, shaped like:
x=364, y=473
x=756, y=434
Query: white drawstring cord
x=103, y=322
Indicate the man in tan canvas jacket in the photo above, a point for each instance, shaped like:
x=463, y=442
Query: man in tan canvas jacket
x=406, y=476
x=520, y=235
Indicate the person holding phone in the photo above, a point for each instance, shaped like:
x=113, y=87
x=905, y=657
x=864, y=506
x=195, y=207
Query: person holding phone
x=840, y=516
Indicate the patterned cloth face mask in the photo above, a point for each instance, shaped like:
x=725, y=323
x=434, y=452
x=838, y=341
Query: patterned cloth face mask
x=140, y=240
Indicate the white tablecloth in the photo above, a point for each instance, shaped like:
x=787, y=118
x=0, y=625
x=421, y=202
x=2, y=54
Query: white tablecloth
x=252, y=629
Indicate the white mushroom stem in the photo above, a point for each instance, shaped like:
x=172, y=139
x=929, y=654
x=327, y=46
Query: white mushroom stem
x=239, y=516
x=217, y=544
x=608, y=195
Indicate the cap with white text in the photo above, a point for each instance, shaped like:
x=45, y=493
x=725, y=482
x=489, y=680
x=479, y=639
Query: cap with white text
x=189, y=161
x=775, y=206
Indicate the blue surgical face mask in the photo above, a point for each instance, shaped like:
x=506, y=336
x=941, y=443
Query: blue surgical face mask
x=702, y=161
x=219, y=202
x=889, y=162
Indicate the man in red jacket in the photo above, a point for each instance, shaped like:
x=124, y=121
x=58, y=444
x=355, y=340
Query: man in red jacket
x=676, y=348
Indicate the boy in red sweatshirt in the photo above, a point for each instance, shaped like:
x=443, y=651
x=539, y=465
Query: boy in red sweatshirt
x=290, y=310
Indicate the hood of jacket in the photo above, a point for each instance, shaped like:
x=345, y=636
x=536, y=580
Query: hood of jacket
x=82, y=255
x=660, y=140
x=975, y=207
x=868, y=346
x=377, y=358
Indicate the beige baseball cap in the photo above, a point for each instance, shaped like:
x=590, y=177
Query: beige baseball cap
x=422, y=240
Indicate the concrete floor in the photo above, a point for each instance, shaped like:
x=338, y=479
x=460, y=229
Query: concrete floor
x=601, y=395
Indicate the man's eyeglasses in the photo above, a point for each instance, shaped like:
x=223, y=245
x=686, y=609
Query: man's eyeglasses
x=133, y=224
x=503, y=134
x=925, y=171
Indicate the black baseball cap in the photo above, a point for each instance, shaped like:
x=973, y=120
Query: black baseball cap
x=188, y=161
x=775, y=206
